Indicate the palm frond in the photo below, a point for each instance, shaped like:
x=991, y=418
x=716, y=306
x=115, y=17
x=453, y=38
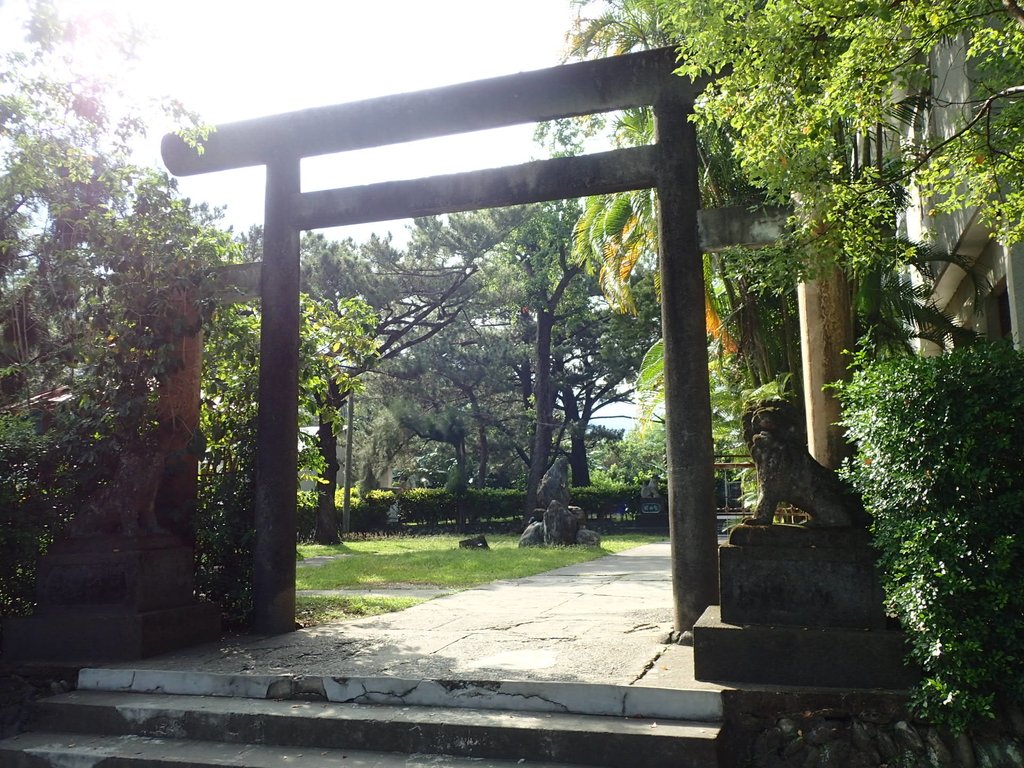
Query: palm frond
x=650, y=382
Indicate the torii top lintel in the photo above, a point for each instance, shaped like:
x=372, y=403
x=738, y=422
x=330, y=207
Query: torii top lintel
x=587, y=87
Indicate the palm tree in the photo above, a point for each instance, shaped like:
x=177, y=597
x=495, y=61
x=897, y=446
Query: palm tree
x=753, y=320
x=619, y=231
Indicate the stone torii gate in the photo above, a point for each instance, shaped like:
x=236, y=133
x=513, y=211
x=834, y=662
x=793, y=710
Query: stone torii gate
x=669, y=165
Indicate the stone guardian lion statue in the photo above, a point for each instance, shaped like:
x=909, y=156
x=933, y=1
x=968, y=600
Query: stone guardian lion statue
x=787, y=473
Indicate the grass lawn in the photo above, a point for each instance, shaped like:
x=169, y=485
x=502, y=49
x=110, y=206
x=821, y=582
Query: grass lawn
x=426, y=561
x=311, y=610
x=438, y=561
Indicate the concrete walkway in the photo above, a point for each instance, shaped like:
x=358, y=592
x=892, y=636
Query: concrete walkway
x=603, y=621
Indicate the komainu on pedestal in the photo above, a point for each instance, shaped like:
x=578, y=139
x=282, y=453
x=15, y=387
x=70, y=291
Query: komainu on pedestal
x=800, y=604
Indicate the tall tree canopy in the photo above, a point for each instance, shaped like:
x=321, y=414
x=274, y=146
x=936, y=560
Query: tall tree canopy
x=98, y=257
x=841, y=102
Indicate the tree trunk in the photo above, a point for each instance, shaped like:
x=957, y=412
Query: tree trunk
x=481, y=433
x=460, y=489
x=577, y=439
x=578, y=455
x=544, y=399
x=826, y=336
x=483, y=460
x=176, y=499
x=326, y=510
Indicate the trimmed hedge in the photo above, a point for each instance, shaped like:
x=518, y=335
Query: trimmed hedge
x=430, y=507
x=606, y=500
x=940, y=464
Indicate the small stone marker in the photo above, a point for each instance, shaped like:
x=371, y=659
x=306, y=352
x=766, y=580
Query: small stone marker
x=474, y=542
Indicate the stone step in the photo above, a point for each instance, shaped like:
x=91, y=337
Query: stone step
x=60, y=750
x=658, y=703
x=317, y=725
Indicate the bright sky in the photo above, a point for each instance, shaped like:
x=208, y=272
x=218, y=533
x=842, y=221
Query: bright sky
x=237, y=59
x=233, y=60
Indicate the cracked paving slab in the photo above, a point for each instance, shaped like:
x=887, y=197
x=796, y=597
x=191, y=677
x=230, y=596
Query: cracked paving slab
x=603, y=621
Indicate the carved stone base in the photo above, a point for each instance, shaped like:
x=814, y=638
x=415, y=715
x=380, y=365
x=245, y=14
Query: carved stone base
x=112, y=597
x=798, y=576
x=804, y=656
x=800, y=606
x=146, y=573
x=107, y=633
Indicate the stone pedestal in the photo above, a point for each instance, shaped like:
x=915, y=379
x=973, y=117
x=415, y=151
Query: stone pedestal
x=109, y=598
x=652, y=512
x=799, y=606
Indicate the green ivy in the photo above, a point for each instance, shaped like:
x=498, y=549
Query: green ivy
x=939, y=463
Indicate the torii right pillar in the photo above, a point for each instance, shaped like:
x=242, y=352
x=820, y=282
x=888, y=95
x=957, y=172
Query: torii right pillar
x=690, y=449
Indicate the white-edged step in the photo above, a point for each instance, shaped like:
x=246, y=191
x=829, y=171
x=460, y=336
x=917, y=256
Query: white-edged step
x=698, y=704
x=308, y=726
x=62, y=750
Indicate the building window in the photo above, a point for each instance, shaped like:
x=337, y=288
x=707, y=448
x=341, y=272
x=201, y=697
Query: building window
x=997, y=313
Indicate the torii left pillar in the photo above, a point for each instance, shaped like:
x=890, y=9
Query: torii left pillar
x=278, y=419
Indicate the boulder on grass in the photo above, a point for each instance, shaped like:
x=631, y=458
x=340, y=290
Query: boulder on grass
x=474, y=542
x=554, y=486
x=533, y=536
x=588, y=538
x=560, y=525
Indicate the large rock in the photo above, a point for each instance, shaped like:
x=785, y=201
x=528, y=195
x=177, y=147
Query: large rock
x=588, y=538
x=554, y=486
x=533, y=536
x=560, y=525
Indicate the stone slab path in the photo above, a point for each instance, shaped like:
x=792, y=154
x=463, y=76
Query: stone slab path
x=603, y=621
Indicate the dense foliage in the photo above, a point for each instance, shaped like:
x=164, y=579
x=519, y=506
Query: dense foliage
x=30, y=511
x=841, y=102
x=104, y=271
x=330, y=335
x=940, y=450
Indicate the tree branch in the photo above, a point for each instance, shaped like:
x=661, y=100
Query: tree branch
x=1014, y=9
x=986, y=106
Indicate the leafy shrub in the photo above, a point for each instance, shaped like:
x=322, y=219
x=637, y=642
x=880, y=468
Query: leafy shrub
x=366, y=513
x=438, y=507
x=49, y=463
x=225, y=536
x=370, y=513
x=27, y=512
x=305, y=515
x=939, y=463
x=366, y=518
x=427, y=506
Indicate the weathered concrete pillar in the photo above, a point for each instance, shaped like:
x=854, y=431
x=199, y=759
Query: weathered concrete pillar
x=692, y=524
x=1014, y=257
x=278, y=419
x=826, y=338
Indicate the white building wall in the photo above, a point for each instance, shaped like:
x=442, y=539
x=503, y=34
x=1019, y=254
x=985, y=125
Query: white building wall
x=996, y=300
